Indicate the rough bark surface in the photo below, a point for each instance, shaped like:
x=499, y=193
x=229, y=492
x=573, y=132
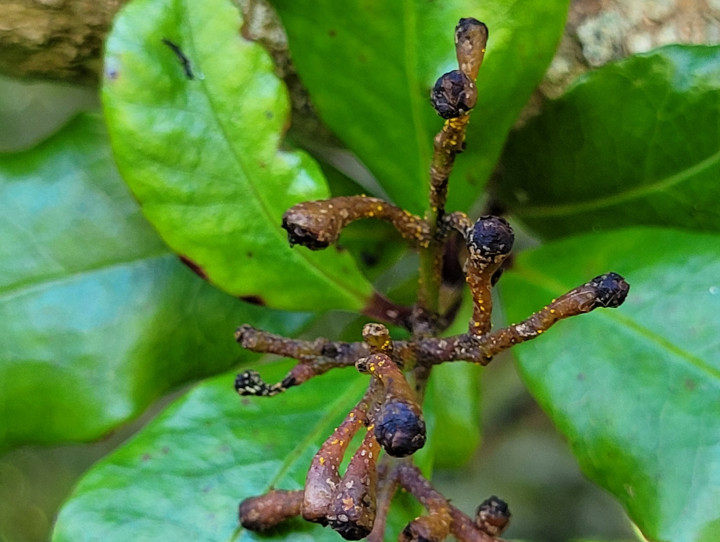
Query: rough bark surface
x=62, y=39
x=54, y=39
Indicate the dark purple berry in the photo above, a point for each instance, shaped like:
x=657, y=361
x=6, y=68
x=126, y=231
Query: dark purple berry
x=612, y=289
x=400, y=429
x=491, y=236
x=453, y=95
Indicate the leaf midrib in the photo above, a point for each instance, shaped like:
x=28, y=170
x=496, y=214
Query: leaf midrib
x=541, y=211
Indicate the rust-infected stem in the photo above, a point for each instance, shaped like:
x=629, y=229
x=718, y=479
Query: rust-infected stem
x=318, y=224
x=460, y=524
x=318, y=356
x=453, y=97
x=489, y=242
x=266, y=511
x=387, y=486
x=323, y=477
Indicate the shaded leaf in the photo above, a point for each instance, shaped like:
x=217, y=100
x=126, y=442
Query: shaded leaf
x=192, y=465
x=202, y=154
x=99, y=318
x=634, y=143
x=453, y=399
x=369, y=67
x=635, y=390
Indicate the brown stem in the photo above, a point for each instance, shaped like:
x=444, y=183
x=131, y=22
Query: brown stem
x=353, y=510
x=608, y=290
x=318, y=224
x=319, y=356
x=266, y=511
x=387, y=486
x=461, y=525
x=316, y=357
x=489, y=242
x=453, y=97
x=323, y=477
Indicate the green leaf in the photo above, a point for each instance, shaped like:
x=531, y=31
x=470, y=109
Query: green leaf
x=635, y=390
x=370, y=65
x=99, y=318
x=193, y=464
x=634, y=143
x=453, y=399
x=202, y=154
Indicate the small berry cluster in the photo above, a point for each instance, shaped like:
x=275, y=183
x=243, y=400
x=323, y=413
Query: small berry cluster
x=356, y=502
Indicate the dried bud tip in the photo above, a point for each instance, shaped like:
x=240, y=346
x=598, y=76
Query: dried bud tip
x=470, y=24
x=491, y=236
x=453, y=95
x=241, y=333
x=348, y=529
x=377, y=337
x=612, y=289
x=299, y=234
x=250, y=383
x=492, y=516
x=361, y=364
x=400, y=429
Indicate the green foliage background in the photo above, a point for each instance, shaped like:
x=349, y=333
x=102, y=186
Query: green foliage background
x=101, y=317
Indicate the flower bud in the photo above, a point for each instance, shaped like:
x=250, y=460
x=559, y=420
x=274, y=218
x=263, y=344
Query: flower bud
x=492, y=516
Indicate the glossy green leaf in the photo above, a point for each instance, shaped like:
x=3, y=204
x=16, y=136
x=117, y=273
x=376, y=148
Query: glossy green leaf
x=192, y=465
x=634, y=143
x=635, y=389
x=370, y=65
x=453, y=398
x=202, y=153
x=99, y=318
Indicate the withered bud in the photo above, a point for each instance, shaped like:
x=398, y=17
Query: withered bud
x=250, y=383
x=490, y=236
x=612, y=289
x=266, y=511
x=492, y=516
x=400, y=427
x=318, y=224
x=432, y=528
x=453, y=95
x=377, y=338
x=470, y=41
x=307, y=226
